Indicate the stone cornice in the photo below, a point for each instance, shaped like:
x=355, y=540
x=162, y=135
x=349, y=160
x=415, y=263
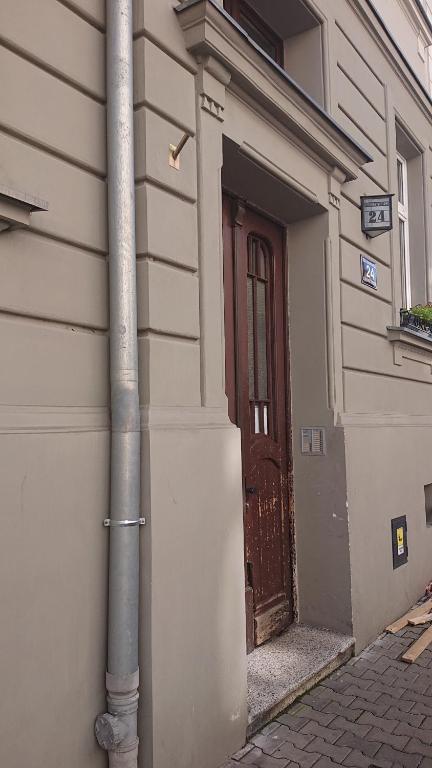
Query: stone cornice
x=210, y=31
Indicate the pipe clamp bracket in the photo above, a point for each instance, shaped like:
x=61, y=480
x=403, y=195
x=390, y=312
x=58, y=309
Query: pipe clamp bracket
x=108, y=523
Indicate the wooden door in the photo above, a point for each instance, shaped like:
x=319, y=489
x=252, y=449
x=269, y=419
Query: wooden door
x=257, y=379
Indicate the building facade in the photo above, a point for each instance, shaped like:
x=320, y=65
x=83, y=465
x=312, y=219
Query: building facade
x=286, y=417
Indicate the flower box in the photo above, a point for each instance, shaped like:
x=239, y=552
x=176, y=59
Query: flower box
x=415, y=322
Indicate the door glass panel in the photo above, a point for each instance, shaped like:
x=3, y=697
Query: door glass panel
x=257, y=419
x=260, y=335
x=262, y=339
x=401, y=195
x=261, y=265
x=251, y=347
x=259, y=37
x=265, y=417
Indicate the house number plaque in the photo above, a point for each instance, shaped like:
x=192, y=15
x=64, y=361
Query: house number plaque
x=368, y=272
x=376, y=214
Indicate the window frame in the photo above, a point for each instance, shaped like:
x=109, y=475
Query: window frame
x=239, y=8
x=403, y=216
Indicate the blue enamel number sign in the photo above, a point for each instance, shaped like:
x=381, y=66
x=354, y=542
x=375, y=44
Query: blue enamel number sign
x=368, y=272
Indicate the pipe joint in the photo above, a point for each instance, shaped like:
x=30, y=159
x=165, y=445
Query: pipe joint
x=125, y=411
x=116, y=730
x=122, y=706
x=117, y=738
x=110, y=731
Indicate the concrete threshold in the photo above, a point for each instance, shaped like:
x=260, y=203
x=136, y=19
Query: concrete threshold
x=287, y=666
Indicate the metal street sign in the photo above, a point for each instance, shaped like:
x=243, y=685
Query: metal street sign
x=368, y=272
x=376, y=214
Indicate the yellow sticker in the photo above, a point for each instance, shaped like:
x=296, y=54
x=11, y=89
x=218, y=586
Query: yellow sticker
x=400, y=540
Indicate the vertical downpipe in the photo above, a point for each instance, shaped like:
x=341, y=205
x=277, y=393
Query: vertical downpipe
x=116, y=730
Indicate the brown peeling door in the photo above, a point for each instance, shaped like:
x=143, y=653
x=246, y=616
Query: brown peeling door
x=257, y=379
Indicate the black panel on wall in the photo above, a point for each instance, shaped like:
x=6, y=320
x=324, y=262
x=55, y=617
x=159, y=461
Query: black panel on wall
x=399, y=541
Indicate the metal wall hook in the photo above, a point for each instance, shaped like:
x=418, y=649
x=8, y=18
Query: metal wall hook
x=174, y=151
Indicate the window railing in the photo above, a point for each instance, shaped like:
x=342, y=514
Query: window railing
x=417, y=320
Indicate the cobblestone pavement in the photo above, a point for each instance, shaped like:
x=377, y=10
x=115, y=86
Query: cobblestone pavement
x=374, y=711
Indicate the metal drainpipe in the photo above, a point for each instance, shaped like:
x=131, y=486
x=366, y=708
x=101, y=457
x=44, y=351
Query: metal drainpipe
x=116, y=730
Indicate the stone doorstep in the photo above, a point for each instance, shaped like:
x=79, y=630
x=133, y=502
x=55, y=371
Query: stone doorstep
x=275, y=683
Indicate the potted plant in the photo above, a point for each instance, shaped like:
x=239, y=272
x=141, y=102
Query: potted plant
x=418, y=318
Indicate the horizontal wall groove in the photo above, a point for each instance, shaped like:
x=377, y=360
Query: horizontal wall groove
x=361, y=92
x=374, y=295
x=52, y=71
x=375, y=181
x=82, y=15
x=362, y=130
x=145, y=104
x=379, y=374
x=25, y=419
x=363, y=249
x=379, y=419
x=68, y=159
x=144, y=33
x=83, y=249
x=141, y=180
x=184, y=417
x=65, y=325
x=149, y=257
x=342, y=31
x=94, y=252
x=357, y=327
x=149, y=333
x=51, y=430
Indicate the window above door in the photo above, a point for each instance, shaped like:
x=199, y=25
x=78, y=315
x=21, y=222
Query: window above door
x=289, y=33
x=234, y=61
x=258, y=30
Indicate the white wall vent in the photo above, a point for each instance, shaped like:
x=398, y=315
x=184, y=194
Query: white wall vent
x=313, y=441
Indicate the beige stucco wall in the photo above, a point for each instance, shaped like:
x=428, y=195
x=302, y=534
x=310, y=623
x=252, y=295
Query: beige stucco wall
x=382, y=402
x=193, y=661
x=380, y=489
x=407, y=26
x=54, y=441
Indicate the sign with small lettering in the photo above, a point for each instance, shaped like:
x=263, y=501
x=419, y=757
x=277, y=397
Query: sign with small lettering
x=368, y=272
x=399, y=541
x=376, y=214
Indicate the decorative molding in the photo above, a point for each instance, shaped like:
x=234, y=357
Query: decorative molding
x=44, y=420
x=212, y=107
x=334, y=200
x=262, y=160
x=184, y=418
x=336, y=179
x=56, y=420
x=216, y=69
x=212, y=81
x=210, y=32
x=372, y=420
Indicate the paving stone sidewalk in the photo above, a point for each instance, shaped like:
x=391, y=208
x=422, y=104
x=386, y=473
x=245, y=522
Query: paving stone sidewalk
x=374, y=711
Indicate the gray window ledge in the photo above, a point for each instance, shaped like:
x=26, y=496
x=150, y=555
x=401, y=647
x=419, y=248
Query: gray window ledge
x=408, y=336
x=410, y=345
x=17, y=207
